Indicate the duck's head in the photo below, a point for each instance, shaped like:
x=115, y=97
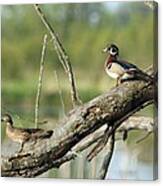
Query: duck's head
x=6, y=118
x=112, y=49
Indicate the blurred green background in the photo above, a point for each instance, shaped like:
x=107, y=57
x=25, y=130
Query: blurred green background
x=84, y=30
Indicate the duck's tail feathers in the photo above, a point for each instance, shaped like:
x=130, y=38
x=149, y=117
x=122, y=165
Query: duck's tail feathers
x=143, y=76
x=136, y=74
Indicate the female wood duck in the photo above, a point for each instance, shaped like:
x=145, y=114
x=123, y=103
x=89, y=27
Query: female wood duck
x=120, y=69
x=23, y=135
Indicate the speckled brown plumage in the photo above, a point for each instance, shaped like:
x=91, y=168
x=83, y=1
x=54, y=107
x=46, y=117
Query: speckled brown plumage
x=21, y=135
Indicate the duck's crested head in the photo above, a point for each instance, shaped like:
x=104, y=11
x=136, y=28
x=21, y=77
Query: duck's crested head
x=7, y=119
x=112, y=49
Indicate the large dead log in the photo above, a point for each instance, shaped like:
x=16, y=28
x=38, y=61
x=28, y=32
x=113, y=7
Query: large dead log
x=109, y=108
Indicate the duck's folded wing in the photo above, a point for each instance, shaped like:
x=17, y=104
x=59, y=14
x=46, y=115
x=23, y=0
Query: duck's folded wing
x=126, y=65
x=132, y=71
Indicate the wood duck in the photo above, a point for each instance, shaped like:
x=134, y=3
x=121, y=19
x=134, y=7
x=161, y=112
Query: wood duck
x=122, y=70
x=21, y=135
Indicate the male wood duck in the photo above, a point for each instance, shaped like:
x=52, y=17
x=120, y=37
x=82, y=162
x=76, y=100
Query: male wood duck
x=122, y=70
x=21, y=135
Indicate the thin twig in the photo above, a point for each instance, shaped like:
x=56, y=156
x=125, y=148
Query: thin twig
x=38, y=95
x=144, y=137
x=60, y=92
x=62, y=55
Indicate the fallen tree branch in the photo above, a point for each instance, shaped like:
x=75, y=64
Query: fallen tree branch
x=127, y=125
x=62, y=55
x=133, y=123
x=79, y=123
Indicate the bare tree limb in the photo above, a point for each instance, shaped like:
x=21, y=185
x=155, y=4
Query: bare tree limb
x=100, y=144
x=132, y=123
x=138, y=123
x=107, y=158
x=62, y=55
x=79, y=123
x=145, y=123
x=38, y=95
